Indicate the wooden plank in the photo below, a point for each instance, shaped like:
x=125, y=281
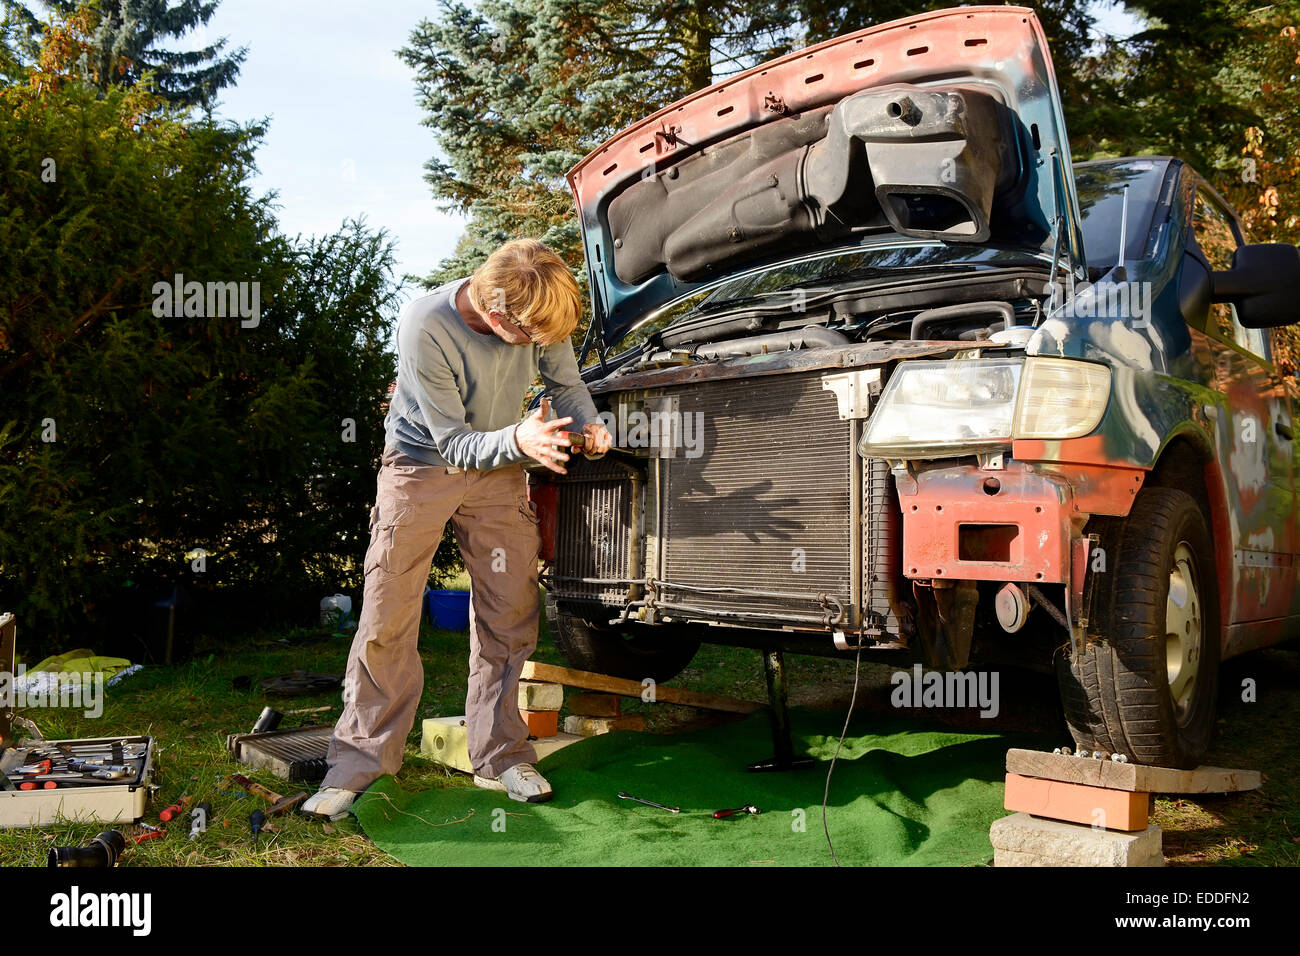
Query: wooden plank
x=536, y=670
x=1129, y=776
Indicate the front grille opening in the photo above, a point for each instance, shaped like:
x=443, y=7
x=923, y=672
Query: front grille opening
x=986, y=542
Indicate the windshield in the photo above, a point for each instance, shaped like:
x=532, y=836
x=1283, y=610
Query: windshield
x=1101, y=201
x=845, y=266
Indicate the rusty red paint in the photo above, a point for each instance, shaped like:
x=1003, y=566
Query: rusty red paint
x=545, y=498
x=944, y=499
x=1099, y=489
x=819, y=75
x=1221, y=530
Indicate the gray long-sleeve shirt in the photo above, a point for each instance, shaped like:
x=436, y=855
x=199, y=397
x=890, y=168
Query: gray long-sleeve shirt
x=459, y=391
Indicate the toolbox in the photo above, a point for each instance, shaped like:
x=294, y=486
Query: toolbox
x=100, y=779
x=90, y=793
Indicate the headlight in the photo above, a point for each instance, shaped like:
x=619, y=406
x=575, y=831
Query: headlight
x=1061, y=398
x=945, y=408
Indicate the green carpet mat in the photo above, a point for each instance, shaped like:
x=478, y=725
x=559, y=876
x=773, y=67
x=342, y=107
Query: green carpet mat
x=902, y=794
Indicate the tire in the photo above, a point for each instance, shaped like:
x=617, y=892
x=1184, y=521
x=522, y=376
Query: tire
x=659, y=654
x=1137, y=688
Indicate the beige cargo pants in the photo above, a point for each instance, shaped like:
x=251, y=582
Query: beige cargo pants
x=497, y=532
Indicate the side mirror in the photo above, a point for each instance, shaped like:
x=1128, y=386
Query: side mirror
x=1263, y=283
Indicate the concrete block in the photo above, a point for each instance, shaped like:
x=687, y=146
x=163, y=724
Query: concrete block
x=445, y=740
x=539, y=695
x=596, y=705
x=595, y=726
x=548, y=745
x=1078, y=803
x=1024, y=840
x=541, y=723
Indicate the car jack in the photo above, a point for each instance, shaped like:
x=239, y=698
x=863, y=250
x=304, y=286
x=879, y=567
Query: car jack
x=783, y=757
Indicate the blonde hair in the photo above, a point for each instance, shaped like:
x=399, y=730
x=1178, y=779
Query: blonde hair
x=532, y=286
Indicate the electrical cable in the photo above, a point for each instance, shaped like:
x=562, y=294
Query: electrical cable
x=857, y=665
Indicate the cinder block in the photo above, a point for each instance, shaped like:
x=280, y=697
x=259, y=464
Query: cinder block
x=536, y=695
x=596, y=705
x=1023, y=840
x=446, y=740
x=1078, y=803
x=541, y=723
x=595, y=726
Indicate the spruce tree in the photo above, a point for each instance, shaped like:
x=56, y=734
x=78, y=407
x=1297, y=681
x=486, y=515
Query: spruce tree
x=132, y=37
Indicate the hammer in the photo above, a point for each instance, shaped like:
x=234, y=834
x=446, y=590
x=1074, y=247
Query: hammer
x=279, y=804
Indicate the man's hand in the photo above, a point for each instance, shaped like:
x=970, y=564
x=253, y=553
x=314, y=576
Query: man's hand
x=544, y=441
x=598, y=440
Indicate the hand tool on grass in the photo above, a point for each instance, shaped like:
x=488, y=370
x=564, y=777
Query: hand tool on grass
x=150, y=833
x=279, y=803
x=169, y=814
x=747, y=808
x=624, y=795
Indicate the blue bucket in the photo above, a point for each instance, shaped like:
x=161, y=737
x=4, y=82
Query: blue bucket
x=449, y=610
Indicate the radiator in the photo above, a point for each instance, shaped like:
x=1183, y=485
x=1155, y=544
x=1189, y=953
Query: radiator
x=766, y=506
x=593, y=530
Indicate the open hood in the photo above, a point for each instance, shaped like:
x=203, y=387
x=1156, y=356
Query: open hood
x=946, y=126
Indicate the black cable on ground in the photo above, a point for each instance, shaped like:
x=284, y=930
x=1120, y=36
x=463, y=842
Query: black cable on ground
x=857, y=664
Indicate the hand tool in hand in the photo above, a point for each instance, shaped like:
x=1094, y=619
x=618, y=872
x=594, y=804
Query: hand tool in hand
x=624, y=795
x=747, y=808
x=279, y=804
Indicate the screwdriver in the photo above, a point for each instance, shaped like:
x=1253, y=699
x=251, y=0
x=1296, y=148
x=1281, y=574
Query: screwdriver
x=623, y=795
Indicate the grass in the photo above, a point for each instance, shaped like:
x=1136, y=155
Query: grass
x=190, y=708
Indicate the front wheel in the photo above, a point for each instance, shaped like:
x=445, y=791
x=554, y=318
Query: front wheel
x=1146, y=683
x=659, y=654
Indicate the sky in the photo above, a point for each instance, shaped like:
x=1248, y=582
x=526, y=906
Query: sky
x=345, y=137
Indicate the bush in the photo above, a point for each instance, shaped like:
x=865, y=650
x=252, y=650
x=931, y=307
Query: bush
x=233, y=453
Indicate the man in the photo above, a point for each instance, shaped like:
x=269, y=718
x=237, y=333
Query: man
x=466, y=354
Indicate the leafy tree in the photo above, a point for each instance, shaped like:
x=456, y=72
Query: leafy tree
x=131, y=439
x=130, y=38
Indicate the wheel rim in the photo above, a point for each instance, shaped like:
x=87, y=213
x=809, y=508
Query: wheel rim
x=1184, y=630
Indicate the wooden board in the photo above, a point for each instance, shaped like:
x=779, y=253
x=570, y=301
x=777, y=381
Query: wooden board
x=535, y=670
x=1129, y=776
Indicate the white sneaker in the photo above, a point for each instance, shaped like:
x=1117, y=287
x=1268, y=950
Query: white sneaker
x=521, y=782
x=331, y=803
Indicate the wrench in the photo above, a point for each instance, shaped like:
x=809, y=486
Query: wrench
x=624, y=795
